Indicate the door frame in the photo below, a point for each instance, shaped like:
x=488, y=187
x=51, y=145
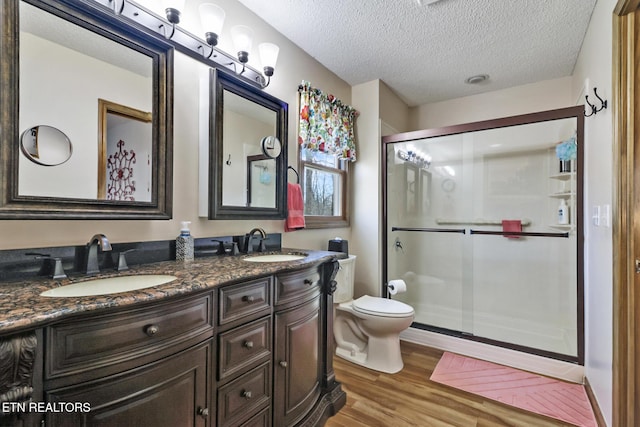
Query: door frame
x=626, y=228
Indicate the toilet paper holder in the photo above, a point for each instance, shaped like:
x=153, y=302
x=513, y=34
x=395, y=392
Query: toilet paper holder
x=396, y=286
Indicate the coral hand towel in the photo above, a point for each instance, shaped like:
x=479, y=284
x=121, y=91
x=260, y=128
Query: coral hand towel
x=511, y=225
x=295, y=207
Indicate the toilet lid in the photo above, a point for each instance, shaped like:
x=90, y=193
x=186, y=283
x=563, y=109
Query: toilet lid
x=382, y=307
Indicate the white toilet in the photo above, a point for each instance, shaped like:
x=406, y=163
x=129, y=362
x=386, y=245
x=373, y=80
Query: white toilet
x=367, y=330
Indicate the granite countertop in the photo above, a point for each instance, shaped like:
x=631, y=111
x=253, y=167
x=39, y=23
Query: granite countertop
x=22, y=307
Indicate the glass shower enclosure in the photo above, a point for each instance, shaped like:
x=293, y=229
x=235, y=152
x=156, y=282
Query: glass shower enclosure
x=483, y=223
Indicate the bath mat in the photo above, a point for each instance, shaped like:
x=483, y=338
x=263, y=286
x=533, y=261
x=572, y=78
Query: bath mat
x=536, y=393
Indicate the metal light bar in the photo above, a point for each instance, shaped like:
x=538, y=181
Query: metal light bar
x=181, y=39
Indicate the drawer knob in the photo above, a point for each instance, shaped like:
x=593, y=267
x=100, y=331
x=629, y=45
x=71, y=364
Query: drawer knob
x=151, y=330
x=203, y=412
x=248, y=298
x=248, y=344
x=246, y=394
x=283, y=363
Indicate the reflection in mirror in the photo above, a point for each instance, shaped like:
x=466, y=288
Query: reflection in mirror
x=67, y=56
x=86, y=66
x=124, y=156
x=261, y=183
x=46, y=145
x=244, y=125
x=244, y=181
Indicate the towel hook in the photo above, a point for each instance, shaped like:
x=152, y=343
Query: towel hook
x=594, y=109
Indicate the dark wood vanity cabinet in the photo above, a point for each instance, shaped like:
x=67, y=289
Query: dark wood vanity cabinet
x=274, y=368
x=254, y=353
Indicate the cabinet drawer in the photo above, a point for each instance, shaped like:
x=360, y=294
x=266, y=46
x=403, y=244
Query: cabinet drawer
x=245, y=396
x=102, y=341
x=262, y=419
x=297, y=285
x=244, y=347
x=239, y=301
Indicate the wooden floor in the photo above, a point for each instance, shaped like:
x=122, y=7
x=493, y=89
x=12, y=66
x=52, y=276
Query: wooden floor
x=409, y=398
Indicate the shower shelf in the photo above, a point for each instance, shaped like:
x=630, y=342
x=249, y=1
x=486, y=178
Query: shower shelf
x=562, y=186
x=564, y=195
x=562, y=176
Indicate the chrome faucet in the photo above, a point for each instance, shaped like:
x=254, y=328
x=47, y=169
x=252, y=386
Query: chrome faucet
x=99, y=240
x=249, y=240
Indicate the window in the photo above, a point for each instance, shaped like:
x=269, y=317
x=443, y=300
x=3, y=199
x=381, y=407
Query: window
x=324, y=189
x=326, y=147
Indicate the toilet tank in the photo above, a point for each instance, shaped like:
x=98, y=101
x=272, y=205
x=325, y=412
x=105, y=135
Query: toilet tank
x=344, y=279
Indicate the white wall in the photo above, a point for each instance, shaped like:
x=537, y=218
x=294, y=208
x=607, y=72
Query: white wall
x=540, y=96
x=365, y=176
x=593, y=69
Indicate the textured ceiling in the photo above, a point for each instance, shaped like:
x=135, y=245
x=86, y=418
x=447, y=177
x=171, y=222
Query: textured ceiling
x=424, y=52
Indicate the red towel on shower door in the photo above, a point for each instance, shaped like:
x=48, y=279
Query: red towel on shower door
x=511, y=225
x=295, y=208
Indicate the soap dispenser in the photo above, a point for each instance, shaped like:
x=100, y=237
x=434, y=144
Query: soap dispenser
x=184, y=243
x=563, y=213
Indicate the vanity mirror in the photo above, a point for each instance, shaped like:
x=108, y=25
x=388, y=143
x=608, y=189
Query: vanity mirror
x=45, y=145
x=74, y=66
x=247, y=151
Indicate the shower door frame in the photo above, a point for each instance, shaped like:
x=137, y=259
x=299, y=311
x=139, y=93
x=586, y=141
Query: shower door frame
x=576, y=112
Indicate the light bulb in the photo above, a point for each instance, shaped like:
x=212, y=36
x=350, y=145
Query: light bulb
x=242, y=38
x=268, y=57
x=212, y=18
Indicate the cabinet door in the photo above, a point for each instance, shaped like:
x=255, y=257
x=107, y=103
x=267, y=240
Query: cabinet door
x=297, y=362
x=171, y=392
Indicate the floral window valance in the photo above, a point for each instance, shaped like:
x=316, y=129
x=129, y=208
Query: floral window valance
x=326, y=124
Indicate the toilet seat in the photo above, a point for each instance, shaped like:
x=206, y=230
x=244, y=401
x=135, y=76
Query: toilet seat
x=382, y=307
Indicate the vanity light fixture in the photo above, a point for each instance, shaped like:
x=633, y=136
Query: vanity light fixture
x=212, y=18
x=172, y=9
x=268, y=57
x=242, y=39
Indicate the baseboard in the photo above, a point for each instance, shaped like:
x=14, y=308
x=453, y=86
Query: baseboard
x=594, y=404
x=516, y=359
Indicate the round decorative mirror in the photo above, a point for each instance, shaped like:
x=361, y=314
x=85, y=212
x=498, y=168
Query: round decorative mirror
x=46, y=145
x=271, y=147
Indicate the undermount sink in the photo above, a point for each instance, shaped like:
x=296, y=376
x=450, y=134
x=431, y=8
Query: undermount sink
x=109, y=285
x=275, y=257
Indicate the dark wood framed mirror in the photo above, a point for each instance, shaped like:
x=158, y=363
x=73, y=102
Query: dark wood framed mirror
x=240, y=117
x=58, y=58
